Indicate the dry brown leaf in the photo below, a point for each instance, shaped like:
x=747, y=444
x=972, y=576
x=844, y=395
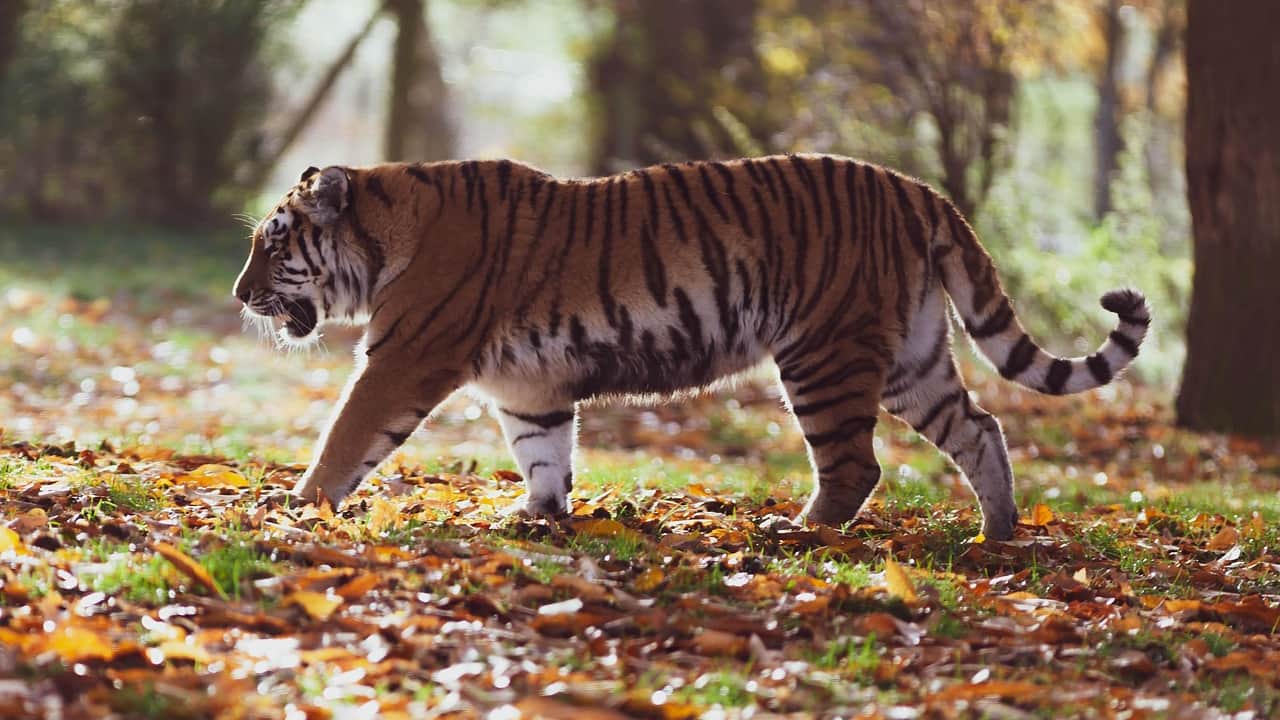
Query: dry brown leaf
x=1225, y=538
x=188, y=566
x=358, y=586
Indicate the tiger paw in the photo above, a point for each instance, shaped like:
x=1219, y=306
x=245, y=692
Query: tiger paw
x=534, y=507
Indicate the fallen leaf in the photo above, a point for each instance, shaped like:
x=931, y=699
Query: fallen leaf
x=897, y=582
x=1225, y=538
x=320, y=606
x=10, y=541
x=1041, y=515
x=188, y=566
x=213, y=475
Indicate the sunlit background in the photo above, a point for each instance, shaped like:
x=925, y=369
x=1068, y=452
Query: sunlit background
x=133, y=133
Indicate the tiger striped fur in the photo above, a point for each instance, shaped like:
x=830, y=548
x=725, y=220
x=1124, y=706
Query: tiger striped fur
x=542, y=293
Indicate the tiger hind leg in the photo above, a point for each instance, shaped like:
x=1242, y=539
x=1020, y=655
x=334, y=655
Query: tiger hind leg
x=927, y=392
x=834, y=394
x=541, y=442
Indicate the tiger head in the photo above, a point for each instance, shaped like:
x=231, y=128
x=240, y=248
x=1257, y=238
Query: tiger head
x=306, y=267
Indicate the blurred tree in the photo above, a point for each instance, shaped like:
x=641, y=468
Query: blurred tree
x=928, y=87
x=418, y=126
x=10, y=12
x=136, y=108
x=184, y=105
x=263, y=165
x=1230, y=381
x=679, y=79
x=1106, y=121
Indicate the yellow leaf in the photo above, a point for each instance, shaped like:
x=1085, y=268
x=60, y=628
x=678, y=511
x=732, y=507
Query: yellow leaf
x=189, y=567
x=978, y=539
x=213, y=475
x=648, y=580
x=316, y=604
x=10, y=540
x=1041, y=515
x=73, y=644
x=1225, y=538
x=605, y=528
x=358, y=587
x=895, y=578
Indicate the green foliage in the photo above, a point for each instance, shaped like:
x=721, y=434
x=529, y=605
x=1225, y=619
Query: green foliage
x=123, y=109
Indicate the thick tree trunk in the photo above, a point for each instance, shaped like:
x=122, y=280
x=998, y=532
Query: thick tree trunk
x=660, y=74
x=10, y=14
x=418, y=125
x=1231, y=381
x=1106, y=123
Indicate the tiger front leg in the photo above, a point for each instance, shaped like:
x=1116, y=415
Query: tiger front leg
x=541, y=442
x=379, y=409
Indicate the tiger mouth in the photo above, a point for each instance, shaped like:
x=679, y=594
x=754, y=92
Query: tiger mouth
x=299, y=316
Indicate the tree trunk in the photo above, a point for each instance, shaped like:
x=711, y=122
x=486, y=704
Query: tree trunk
x=661, y=73
x=10, y=14
x=1106, y=122
x=418, y=125
x=1231, y=381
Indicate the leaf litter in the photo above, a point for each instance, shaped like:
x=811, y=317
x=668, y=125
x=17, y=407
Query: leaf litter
x=145, y=569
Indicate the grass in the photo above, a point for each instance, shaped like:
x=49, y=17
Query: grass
x=855, y=658
x=151, y=265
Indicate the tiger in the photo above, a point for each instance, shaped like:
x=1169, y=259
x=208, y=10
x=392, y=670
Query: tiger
x=542, y=294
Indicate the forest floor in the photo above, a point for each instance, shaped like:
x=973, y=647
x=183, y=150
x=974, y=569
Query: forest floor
x=143, y=576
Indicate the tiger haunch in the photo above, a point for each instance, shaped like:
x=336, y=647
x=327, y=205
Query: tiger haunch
x=542, y=293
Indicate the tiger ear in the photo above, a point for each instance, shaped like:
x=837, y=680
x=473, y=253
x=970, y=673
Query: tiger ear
x=325, y=197
x=308, y=173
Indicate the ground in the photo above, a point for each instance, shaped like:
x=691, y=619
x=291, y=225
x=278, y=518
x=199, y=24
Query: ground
x=143, y=576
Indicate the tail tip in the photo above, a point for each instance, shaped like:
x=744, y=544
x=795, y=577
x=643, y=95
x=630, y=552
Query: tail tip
x=1130, y=304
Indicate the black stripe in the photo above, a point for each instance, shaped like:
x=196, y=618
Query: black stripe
x=915, y=229
x=840, y=375
x=738, y=208
x=537, y=464
x=504, y=176
x=1020, y=357
x=1100, y=368
x=1059, y=373
x=945, y=432
x=845, y=431
x=820, y=405
x=396, y=437
x=934, y=355
x=1124, y=342
x=845, y=459
x=651, y=196
x=374, y=186
x=937, y=409
x=994, y=325
x=829, y=179
x=676, y=220
x=655, y=272
x=387, y=336
x=1135, y=319
x=709, y=189
x=544, y=420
